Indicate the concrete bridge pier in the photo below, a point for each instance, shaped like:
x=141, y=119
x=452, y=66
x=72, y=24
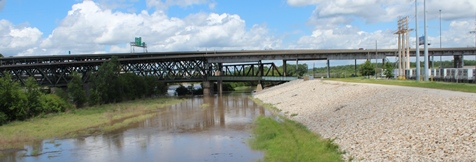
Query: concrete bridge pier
x=328, y=69
x=220, y=82
x=259, y=87
x=207, y=88
x=284, y=67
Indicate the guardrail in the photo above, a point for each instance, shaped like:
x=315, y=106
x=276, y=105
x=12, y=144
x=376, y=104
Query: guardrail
x=253, y=78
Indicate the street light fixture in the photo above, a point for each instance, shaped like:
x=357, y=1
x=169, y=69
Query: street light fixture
x=425, y=66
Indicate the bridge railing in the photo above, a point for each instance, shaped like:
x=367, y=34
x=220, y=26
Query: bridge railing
x=252, y=78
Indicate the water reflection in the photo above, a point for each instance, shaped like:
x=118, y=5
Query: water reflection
x=201, y=129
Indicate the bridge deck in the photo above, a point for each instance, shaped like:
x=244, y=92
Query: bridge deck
x=231, y=56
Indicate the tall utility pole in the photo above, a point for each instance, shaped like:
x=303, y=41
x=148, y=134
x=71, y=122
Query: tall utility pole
x=425, y=45
x=403, y=46
x=441, y=63
x=417, y=50
x=474, y=31
x=376, y=63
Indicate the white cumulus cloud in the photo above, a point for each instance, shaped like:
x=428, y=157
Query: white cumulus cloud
x=14, y=39
x=331, y=22
x=164, y=4
x=89, y=28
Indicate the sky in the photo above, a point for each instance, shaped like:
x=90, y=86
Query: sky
x=52, y=27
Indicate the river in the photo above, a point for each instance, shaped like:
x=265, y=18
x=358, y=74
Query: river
x=199, y=129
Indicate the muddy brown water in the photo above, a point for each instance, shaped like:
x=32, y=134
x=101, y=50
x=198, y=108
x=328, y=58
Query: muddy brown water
x=200, y=129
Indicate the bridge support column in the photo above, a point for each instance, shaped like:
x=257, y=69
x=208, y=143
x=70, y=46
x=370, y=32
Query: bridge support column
x=220, y=82
x=457, y=61
x=328, y=69
x=207, y=88
x=284, y=67
x=259, y=87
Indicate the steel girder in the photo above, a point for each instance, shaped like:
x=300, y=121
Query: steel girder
x=167, y=70
x=58, y=74
x=259, y=69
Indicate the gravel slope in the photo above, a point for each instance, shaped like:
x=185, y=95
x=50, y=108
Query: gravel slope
x=383, y=123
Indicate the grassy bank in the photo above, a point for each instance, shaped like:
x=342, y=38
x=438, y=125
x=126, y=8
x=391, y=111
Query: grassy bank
x=287, y=140
x=80, y=122
x=462, y=87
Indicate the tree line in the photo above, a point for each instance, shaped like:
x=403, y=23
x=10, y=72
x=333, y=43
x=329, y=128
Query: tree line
x=349, y=70
x=20, y=103
x=107, y=85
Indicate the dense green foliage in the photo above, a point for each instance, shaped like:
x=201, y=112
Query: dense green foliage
x=288, y=140
x=348, y=70
x=189, y=90
x=367, y=69
x=76, y=90
x=182, y=90
x=17, y=103
x=388, y=70
x=108, y=85
x=292, y=71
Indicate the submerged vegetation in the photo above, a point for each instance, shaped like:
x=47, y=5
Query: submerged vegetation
x=287, y=140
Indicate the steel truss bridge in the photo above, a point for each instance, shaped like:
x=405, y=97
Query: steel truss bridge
x=191, y=66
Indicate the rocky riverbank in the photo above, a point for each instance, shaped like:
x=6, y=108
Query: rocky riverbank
x=380, y=122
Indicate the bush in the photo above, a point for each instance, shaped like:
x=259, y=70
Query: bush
x=12, y=99
x=3, y=118
x=182, y=90
x=76, y=91
x=61, y=93
x=51, y=103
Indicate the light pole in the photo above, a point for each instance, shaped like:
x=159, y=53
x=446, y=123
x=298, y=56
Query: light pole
x=441, y=63
x=417, y=50
x=425, y=45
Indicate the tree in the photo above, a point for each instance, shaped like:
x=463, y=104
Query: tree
x=388, y=70
x=182, y=90
x=105, y=83
x=12, y=99
x=33, y=96
x=76, y=90
x=301, y=70
x=367, y=69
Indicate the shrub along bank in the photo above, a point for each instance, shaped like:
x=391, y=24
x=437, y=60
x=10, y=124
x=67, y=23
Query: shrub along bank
x=108, y=85
x=17, y=103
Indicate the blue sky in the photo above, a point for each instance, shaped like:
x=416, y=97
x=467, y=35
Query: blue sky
x=32, y=27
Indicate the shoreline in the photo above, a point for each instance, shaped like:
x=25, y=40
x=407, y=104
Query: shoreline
x=380, y=122
x=79, y=122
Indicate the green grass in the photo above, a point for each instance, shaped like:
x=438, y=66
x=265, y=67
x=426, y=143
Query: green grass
x=79, y=122
x=243, y=89
x=291, y=141
x=462, y=87
x=287, y=140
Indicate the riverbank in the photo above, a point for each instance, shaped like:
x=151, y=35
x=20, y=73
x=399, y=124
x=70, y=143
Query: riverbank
x=381, y=122
x=285, y=140
x=80, y=122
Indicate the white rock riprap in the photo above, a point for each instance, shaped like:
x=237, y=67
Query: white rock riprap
x=383, y=123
